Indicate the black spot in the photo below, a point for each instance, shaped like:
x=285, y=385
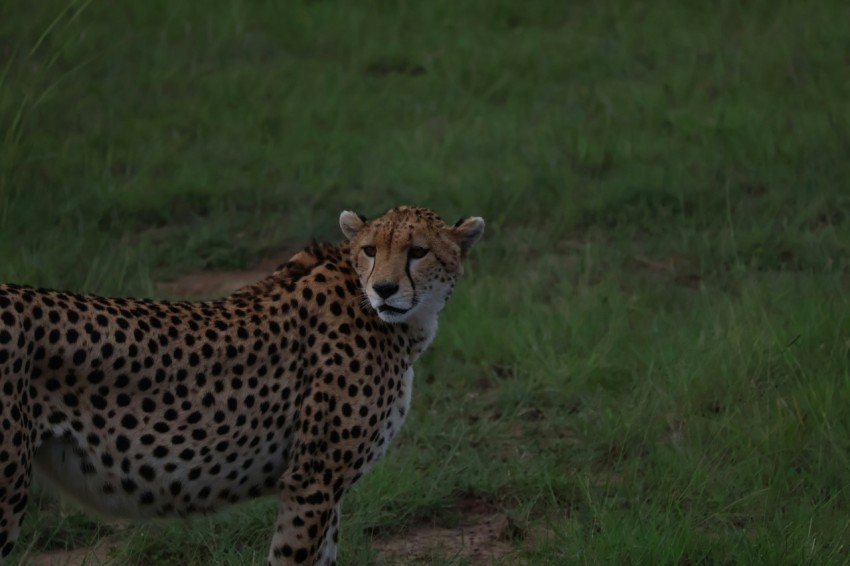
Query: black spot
x=79, y=357
x=95, y=377
x=56, y=418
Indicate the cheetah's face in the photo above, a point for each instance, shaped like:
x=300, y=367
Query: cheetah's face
x=408, y=259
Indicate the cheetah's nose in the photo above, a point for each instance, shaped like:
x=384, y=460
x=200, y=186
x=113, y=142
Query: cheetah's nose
x=385, y=290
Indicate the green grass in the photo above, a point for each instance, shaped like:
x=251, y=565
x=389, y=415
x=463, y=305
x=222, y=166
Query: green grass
x=648, y=357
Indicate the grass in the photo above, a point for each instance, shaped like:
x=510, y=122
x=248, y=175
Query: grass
x=648, y=357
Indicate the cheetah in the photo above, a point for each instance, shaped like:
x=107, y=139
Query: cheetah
x=292, y=387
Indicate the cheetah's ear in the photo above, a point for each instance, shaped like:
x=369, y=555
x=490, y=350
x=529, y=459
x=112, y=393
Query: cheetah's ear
x=351, y=223
x=467, y=231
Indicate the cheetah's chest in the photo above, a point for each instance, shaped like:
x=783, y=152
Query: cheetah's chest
x=398, y=412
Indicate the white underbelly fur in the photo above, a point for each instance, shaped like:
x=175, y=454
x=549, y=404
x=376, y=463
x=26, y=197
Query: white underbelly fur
x=59, y=465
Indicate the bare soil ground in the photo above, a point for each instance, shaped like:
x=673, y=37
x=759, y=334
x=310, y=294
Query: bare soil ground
x=92, y=556
x=480, y=538
x=482, y=535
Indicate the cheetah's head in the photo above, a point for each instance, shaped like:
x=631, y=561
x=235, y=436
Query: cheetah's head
x=408, y=259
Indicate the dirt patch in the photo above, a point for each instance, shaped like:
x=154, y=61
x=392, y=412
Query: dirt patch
x=483, y=535
x=674, y=269
x=480, y=540
x=94, y=556
x=211, y=284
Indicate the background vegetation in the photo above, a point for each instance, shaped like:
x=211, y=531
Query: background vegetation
x=647, y=361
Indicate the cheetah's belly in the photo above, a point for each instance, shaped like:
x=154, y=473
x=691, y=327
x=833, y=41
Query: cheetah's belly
x=62, y=465
x=109, y=491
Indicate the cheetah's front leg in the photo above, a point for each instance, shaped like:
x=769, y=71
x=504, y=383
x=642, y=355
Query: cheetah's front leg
x=327, y=552
x=311, y=490
x=306, y=528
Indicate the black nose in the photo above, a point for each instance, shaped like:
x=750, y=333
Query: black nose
x=385, y=290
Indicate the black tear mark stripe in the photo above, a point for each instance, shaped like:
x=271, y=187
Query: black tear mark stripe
x=374, y=262
x=409, y=277
x=407, y=264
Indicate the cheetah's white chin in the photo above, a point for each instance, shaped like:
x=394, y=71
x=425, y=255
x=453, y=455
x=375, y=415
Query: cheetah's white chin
x=393, y=316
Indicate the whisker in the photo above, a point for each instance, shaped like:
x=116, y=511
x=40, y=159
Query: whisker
x=364, y=300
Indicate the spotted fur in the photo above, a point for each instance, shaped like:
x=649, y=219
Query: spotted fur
x=294, y=386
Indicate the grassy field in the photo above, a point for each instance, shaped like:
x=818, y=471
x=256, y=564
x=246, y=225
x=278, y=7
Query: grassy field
x=648, y=359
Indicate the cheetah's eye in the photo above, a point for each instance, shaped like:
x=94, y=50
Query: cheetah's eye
x=369, y=251
x=417, y=252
